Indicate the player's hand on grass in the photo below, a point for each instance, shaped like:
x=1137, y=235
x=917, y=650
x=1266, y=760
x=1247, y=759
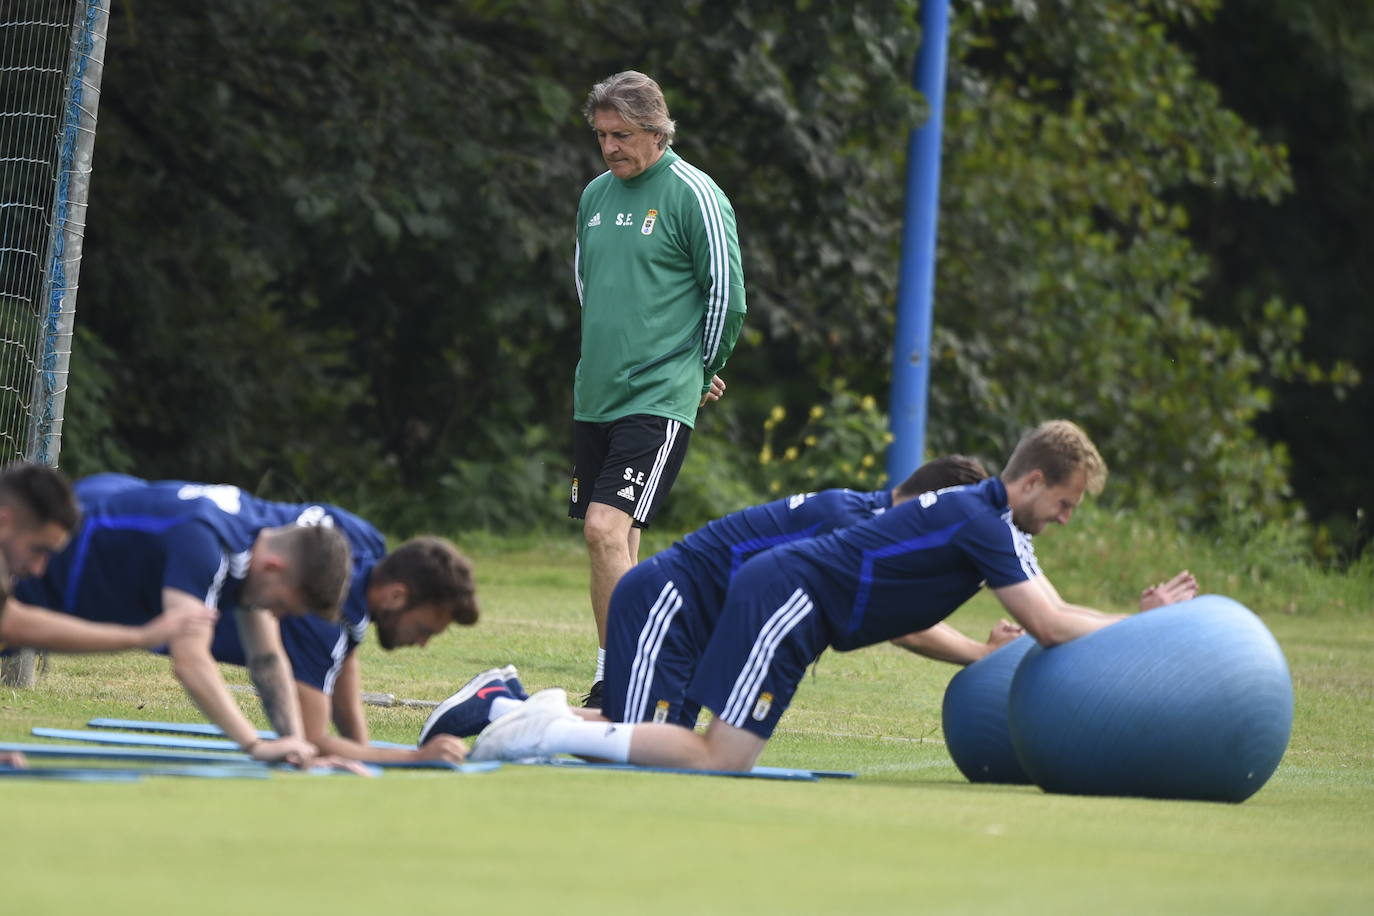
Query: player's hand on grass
x=1002, y=633
x=714, y=392
x=335, y=762
x=14, y=759
x=1182, y=587
x=292, y=750
x=445, y=748
x=189, y=619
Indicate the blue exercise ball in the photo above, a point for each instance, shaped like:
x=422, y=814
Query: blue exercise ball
x=1190, y=701
x=974, y=716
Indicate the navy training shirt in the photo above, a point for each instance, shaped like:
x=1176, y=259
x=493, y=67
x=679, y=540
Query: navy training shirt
x=914, y=565
x=139, y=537
x=704, y=561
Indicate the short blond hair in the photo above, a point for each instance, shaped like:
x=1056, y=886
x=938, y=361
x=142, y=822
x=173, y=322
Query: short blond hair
x=1058, y=449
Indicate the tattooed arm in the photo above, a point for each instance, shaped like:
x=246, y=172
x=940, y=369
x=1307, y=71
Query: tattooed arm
x=196, y=669
x=270, y=671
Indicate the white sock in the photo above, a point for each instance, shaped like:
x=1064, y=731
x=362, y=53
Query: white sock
x=600, y=666
x=605, y=740
x=502, y=705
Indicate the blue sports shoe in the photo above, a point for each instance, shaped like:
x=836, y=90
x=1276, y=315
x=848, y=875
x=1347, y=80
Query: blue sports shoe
x=468, y=711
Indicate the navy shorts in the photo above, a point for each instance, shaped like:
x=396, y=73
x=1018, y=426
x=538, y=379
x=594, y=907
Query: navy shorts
x=655, y=636
x=768, y=633
x=629, y=463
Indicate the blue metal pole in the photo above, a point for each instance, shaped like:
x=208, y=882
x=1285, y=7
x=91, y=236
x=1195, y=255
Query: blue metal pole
x=916, y=281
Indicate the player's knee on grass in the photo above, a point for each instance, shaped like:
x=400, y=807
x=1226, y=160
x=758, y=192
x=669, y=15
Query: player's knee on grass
x=731, y=748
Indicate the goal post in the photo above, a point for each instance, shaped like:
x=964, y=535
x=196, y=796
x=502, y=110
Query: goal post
x=52, y=55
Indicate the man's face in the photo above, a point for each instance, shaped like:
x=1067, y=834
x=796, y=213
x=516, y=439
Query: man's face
x=1042, y=504
x=27, y=548
x=626, y=149
x=415, y=626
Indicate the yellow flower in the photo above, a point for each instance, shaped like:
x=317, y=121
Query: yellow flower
x=846, y=467
x=766, y=455
x=817, y=412
x=888, y=437
x=810, y=472
x=778, y=414
x=863, y=475
x=867, y=462
x=809, y=441
x=790, y=454
x=867, y=403
x=774, y=487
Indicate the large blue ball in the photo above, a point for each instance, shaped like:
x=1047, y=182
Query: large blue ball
x=974, y=716
x=1193, y=700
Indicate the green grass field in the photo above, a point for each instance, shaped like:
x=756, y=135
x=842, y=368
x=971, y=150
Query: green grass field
x=909, y=835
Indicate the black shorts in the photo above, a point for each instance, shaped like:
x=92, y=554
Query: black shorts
x=629, y=463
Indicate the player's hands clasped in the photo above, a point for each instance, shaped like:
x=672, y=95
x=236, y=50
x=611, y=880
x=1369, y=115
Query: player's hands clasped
x=1003, y=632
x=445, y=748
x=295, y=751
x=1182, y=587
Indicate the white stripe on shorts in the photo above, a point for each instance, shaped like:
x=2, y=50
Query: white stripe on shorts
x=745, y=693
x=665, y=451
x=646, y=653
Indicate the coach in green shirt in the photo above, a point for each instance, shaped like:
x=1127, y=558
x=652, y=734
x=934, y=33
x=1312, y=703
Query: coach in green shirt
x=658, y=274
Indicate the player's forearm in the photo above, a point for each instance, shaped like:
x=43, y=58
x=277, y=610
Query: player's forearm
x=355, y=750
x=346, y=703
x=271, y=675
x=38, y=628
x=201, y=679
x=1072, y=621
x=943, y=643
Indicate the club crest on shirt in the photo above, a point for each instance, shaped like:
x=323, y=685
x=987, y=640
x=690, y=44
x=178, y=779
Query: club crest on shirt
x=762, y=707
x=574, y=490
x=661, y=711
x=647, y=227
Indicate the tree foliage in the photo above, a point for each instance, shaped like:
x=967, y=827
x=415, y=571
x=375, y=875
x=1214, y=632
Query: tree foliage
x=330, y=248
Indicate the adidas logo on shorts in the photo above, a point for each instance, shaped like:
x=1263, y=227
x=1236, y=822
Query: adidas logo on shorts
x=626, y=493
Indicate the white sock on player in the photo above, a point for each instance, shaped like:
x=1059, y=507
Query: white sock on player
x=600, y=666
x=502, y=705
x=603, y=740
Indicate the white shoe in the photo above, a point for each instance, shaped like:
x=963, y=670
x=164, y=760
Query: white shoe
x=520, y=734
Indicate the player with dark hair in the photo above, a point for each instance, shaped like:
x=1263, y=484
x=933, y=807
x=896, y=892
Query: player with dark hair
x=411, y=595
x=188, y=549
x=903, y=571
x=664, y=609
x=37, y=513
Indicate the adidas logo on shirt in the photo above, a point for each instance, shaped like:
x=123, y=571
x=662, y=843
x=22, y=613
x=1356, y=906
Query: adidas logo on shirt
x=594, y=221
x=626, y=493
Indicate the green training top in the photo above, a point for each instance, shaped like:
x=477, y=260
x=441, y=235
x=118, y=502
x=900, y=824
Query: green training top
x=658, y=274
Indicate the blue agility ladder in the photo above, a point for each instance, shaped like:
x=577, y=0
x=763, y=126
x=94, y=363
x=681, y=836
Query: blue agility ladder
x=206, y=745
x=202, y=728
x=140, y=755
x=205, y=729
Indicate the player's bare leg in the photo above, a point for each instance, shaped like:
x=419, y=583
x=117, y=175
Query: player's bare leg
x=612, y=546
